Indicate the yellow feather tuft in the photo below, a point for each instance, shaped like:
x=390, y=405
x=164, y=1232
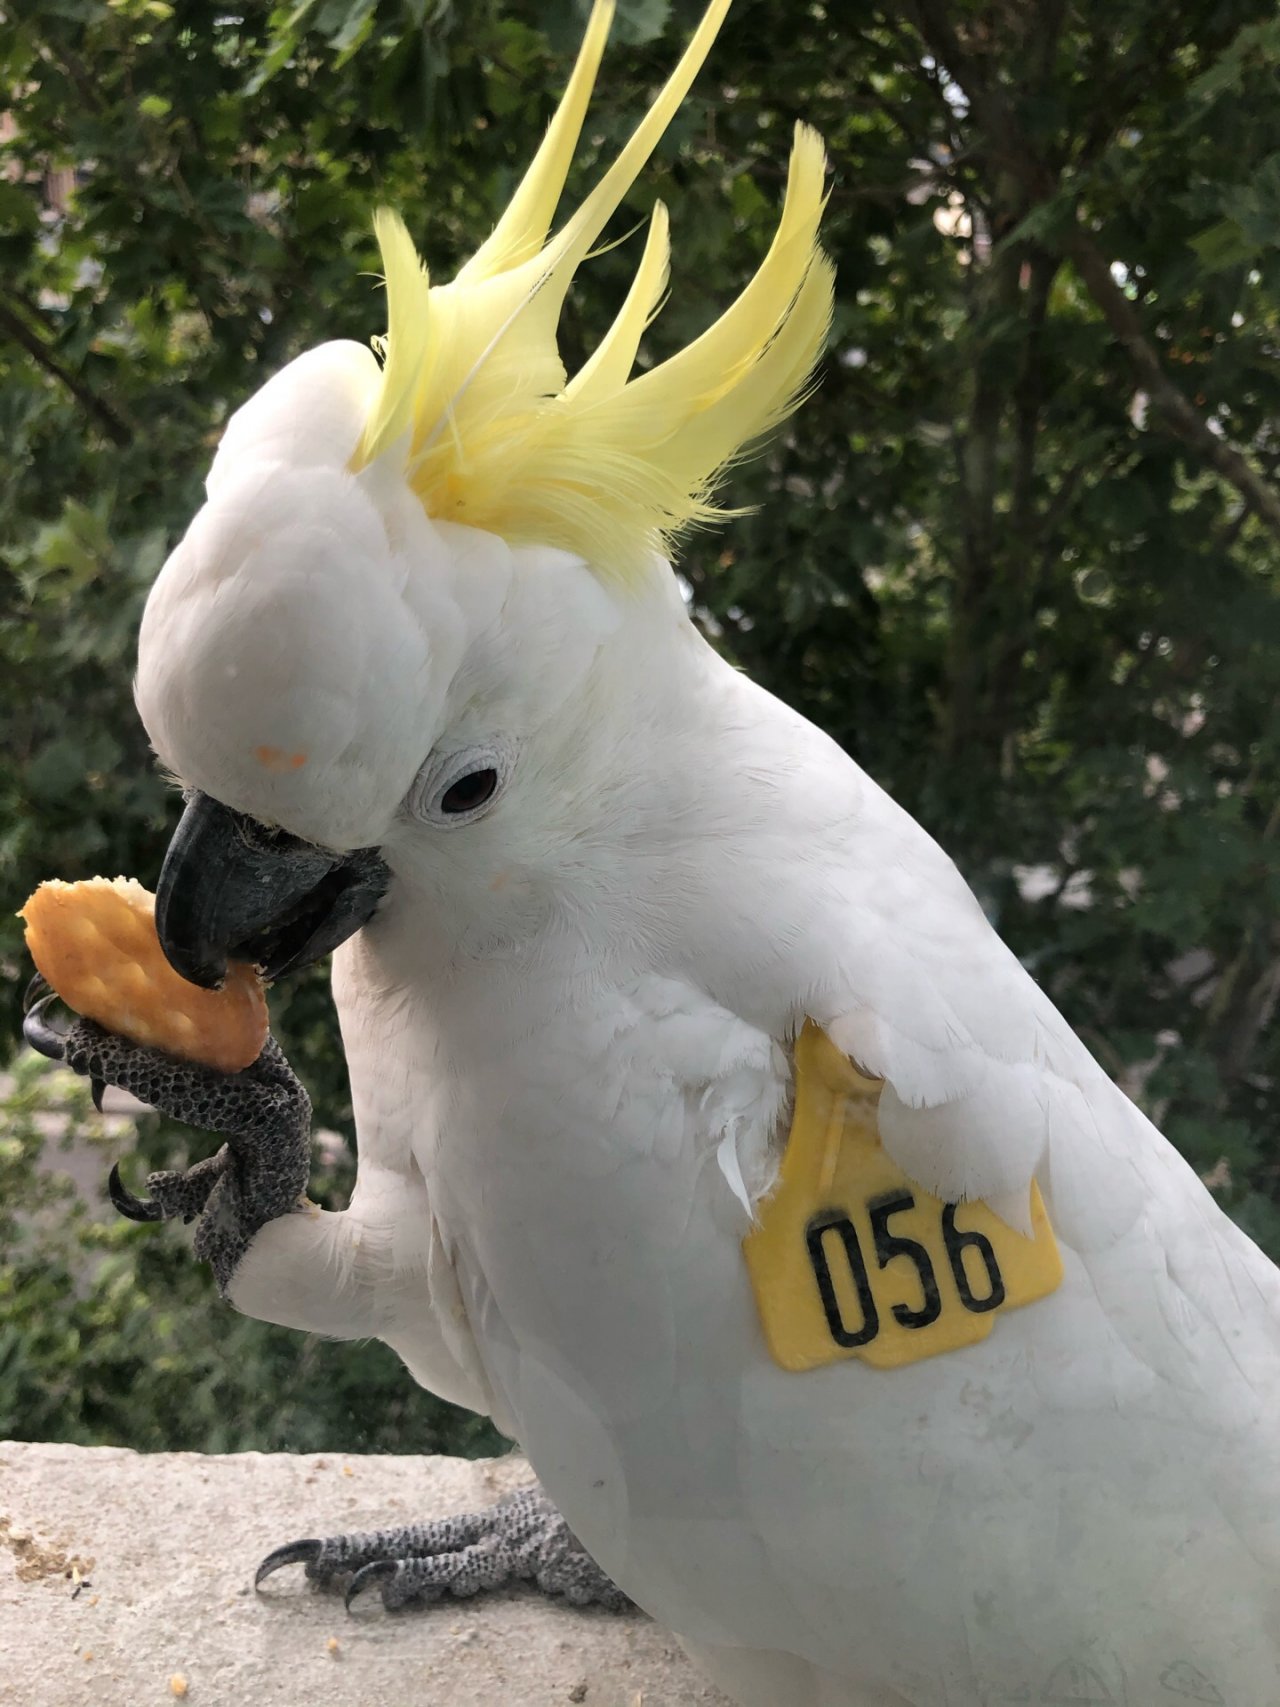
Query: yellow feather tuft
x=608, y=368
x=522, y=230
x=474, y=393
x=404, y=347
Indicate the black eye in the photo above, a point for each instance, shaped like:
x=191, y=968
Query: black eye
x=469, y=791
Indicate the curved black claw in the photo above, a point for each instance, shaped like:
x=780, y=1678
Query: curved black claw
x=366, y=1576
x=134, y=1208
x=37, y=986
x=37, y=1030
x=295, y=1553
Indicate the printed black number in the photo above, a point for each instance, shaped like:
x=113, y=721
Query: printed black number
x=957, y=1243
x=890, y=1245
x=815, y=1241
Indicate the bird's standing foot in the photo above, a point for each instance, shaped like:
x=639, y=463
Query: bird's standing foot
x=523, y=1537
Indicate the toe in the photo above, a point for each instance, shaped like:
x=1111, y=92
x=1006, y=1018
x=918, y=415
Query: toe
x=294, y=1553
x=383, y=1571
x=37, y=1030
x=134, y=1208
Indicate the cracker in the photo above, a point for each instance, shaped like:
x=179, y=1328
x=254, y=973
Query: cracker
x=96, y=944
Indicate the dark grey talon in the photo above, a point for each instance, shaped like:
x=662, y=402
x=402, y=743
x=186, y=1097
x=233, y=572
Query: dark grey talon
x=133, y=1208
x=37, y=987
x=96, y=1087
x=295, y=1553
x=39, y=1033
x=366, y=1576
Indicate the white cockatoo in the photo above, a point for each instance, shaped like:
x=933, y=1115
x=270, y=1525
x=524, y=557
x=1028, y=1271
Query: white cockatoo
x=856, y=1325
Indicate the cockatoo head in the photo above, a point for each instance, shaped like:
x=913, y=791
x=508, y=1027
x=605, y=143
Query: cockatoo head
x=428, y=601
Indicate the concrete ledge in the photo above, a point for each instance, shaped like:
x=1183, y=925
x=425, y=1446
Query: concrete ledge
x=168, y=1544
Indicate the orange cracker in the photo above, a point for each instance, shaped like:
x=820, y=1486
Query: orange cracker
x=96, y=944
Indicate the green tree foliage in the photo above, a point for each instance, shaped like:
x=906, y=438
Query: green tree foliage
x=1019, y=553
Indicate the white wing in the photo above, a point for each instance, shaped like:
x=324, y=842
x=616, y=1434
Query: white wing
x=1087, y=1506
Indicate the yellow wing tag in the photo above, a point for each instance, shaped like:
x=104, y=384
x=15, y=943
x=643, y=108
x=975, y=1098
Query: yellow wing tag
x=850, y=1258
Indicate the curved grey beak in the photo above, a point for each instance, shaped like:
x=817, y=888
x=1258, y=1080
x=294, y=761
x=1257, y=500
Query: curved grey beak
x=231, y=888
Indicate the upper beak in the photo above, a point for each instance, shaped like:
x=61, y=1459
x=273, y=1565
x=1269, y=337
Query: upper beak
x=231, y=888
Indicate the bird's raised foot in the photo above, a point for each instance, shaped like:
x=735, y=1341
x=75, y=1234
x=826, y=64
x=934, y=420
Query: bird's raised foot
x=520, y=1538
x=259, y=1174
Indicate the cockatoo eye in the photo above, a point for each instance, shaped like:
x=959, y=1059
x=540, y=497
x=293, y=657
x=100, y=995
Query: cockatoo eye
x=470, y=791
x=457, y=788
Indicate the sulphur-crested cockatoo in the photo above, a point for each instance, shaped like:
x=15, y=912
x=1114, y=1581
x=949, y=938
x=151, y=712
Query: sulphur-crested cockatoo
x=856, y=1325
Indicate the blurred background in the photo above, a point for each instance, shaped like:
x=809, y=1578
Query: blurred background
x=1020, y=553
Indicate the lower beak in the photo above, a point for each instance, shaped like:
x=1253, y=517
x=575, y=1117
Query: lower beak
x=231, y=888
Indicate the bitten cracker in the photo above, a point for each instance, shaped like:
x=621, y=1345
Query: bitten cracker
x=96, y=944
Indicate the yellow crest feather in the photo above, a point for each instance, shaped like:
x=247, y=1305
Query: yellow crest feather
x=475, y=397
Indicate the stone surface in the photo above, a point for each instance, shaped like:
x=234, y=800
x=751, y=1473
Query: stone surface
x=167, y=1545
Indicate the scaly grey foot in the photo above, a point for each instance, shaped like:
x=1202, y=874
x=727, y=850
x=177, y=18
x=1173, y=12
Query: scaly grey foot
x=261, y=1171
x=521, y=1538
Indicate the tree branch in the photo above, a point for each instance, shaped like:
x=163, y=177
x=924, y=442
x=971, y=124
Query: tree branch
x=1028, y=396
x=112, y=422
x=1189, y=426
